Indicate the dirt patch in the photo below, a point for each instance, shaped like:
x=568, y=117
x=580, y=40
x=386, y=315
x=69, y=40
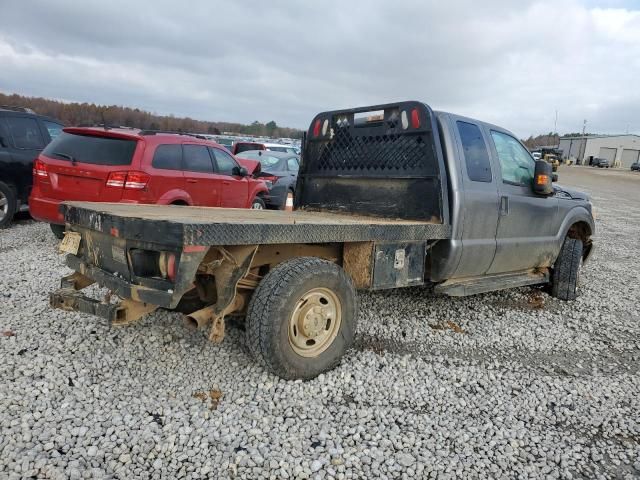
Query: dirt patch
x=448, y=325
x=212, y=397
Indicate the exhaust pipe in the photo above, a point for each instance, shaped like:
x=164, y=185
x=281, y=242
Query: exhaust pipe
x=199, y=318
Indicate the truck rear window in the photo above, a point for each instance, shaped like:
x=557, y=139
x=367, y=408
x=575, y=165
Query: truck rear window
x=91, y=149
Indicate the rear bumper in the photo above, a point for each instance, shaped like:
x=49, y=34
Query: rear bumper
x=122, y=288
x=46, y=209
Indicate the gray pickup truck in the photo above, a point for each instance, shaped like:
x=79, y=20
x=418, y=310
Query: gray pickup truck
x=388, y=196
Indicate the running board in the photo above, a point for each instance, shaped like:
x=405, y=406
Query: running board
x=461, y=287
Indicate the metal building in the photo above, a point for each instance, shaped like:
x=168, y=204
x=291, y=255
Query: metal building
x=620, y=150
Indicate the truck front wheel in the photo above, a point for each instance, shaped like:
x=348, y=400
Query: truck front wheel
x=302, y=318
x=566, y=271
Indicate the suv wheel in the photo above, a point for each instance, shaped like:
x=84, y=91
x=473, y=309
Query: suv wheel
x=8, y=204
x=257, y=204
x=302, y=318
x=566, y=271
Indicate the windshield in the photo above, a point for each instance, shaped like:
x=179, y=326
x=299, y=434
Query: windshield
x=91, y=149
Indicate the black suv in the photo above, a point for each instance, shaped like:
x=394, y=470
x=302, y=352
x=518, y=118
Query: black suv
x=23, y=134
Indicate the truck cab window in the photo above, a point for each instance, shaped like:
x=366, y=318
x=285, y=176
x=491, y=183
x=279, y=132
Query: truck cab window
x=476, y=155
x=516, y=163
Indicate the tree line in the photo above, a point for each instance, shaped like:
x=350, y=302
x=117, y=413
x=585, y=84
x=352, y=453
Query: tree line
x=550, y=139
x=92, y=114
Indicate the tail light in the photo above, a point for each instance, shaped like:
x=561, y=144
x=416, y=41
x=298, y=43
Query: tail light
x=40, y=169
x=167, y=265
x=316, y=128
x=153, y=264
x=116, y=179
x=130, y=180
x=136, y=180
x=415, y=118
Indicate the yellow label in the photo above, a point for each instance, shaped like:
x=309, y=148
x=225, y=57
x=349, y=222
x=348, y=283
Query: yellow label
x=70, y=243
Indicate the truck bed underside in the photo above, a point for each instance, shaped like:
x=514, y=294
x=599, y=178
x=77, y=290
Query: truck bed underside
x=182, y=226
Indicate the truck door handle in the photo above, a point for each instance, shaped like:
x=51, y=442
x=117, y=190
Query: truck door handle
x=504, y=205
x=191, y=180
x=226, y=183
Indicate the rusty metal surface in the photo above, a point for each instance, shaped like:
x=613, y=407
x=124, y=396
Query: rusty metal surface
x=76, y=281
x=129, y=311
x=357, y=261
x=231, y=265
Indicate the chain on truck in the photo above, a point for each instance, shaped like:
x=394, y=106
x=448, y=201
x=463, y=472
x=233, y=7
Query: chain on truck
x=389, y=196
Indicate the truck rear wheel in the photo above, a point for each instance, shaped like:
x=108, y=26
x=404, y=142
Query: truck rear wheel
x=566, y=271
x=302, y=318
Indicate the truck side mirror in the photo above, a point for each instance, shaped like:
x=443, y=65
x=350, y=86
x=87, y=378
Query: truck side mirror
x=542, y=178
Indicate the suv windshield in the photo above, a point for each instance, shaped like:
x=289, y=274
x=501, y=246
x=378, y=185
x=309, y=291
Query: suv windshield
x=91, y=149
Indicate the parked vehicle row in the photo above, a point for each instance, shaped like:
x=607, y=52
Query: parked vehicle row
x=128, y=165
x=132, y=166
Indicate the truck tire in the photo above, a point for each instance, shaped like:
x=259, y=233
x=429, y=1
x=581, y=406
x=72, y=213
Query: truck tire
x=302, y=318
x=566, y=271
x=8, y=204
x=58, y=230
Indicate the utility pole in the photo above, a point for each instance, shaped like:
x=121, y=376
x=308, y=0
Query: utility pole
x=555, y=124
x=584, y=126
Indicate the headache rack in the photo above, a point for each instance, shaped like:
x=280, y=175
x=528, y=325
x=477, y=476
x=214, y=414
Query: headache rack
x=382, y=160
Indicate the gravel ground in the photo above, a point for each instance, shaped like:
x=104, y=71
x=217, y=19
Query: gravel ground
x=511, y=384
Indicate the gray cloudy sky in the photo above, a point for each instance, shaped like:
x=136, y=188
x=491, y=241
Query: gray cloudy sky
x=509, y=62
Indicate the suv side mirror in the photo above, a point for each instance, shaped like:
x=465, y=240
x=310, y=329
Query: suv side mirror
x=542, y=178
x=240, y=171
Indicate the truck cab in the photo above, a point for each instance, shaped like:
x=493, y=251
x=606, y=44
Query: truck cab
x=500, y=225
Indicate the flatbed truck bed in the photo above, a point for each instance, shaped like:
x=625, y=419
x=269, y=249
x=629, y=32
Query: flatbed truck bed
x=182, y=225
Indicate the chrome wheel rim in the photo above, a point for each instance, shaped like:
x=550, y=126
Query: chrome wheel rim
x=257, y=206
x=315, y=322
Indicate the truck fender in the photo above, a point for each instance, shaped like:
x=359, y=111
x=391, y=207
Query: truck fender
x=578, y=214
x=175, y=195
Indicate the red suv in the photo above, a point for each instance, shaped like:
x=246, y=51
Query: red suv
x=133, y=166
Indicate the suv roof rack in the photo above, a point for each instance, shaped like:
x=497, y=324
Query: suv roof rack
x=156, y=132
x=15, y=108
